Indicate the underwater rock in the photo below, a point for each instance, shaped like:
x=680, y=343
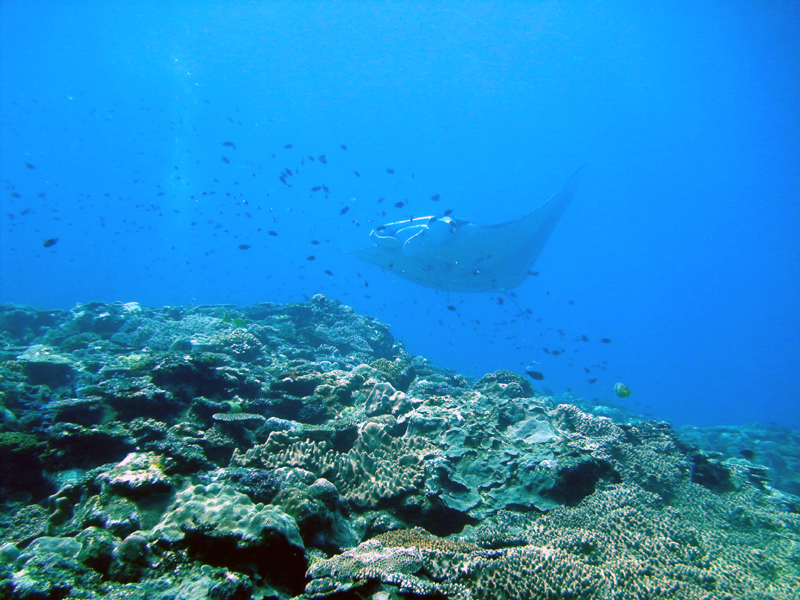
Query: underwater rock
x=21, y=465
x=140, y=474
x=505, y=384
x=224, y=527
x=42, y=365
x=320, y=514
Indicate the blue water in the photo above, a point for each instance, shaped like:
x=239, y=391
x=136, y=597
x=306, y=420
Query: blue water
x=682, y=246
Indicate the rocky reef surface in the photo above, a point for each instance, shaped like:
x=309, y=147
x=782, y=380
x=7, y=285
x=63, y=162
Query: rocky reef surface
x=299, y=451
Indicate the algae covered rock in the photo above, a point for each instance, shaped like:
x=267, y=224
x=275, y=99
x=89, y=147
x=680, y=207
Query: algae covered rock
x=223, y=527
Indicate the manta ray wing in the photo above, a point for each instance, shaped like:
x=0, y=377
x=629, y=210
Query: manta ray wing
x=464, y=257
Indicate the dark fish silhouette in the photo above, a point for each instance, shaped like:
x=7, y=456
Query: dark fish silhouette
x=49, y=243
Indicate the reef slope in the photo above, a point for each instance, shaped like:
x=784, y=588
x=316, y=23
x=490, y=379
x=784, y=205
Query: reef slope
x=275, y=451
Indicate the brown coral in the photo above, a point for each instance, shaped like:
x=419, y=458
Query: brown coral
x=378, y=469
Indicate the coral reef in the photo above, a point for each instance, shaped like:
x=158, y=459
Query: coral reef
x=300, y=452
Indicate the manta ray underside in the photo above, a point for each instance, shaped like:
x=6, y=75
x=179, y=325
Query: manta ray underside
x=458, y=256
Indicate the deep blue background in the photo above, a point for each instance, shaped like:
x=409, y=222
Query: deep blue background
x=682, y=245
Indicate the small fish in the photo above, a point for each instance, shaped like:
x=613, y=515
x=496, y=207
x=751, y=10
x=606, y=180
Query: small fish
x=49, y=243
x=272, y=233
x=311, y=257
x=328, y=273
x=381, y=199
x=287, y=146
x=315, y=242
x=584, y=338
x=537, y=375
x=380, y=228
x=311, y=158
x=29, y=165
x=316, y=188
x=323, y=159
x=244, y=246
x=449, y=211
x=606, y=341
x=500, y=301
x=592, y=380
x=226, y=160
x=435, y=197
x=342, y=146
x=390, y=171
x=586, y=369
x=555, y=352
x=229, y=145
x=344, y=210
x=325, y=188
x=621, y=390
x=451, y=307
x=399, y=204
x=16, y=195
x=357, y=173
x=546, y=350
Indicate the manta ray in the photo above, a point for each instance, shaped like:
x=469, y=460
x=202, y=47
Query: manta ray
x=455, y=255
